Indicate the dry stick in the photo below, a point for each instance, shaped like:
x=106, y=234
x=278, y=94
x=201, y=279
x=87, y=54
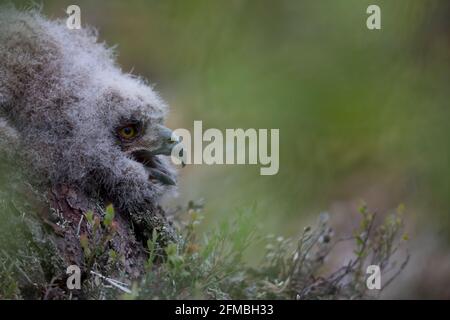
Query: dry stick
x=398, y=271
x=113, y=282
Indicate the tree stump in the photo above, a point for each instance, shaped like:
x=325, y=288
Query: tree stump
x=75, y=233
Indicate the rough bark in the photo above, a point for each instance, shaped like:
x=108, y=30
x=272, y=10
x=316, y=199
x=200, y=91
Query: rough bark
x=65, y=223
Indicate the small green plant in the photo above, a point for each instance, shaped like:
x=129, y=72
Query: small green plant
x=95, y=242
x=212, y=266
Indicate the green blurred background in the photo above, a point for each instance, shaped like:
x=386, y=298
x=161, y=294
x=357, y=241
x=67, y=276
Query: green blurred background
x=362, y=114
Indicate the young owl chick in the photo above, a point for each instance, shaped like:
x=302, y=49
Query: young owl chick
x=79, y=119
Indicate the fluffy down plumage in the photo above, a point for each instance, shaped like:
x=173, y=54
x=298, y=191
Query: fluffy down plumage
x=62, y=98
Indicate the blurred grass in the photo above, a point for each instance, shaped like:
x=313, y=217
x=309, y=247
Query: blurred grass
x=360, y=112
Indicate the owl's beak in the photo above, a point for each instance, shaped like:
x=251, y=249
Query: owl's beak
x=153, y=165
x=169, y=141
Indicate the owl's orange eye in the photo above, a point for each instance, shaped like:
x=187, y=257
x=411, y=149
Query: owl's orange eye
x=128, y=132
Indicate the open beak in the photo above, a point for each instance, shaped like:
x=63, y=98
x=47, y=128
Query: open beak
x=155, y=167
